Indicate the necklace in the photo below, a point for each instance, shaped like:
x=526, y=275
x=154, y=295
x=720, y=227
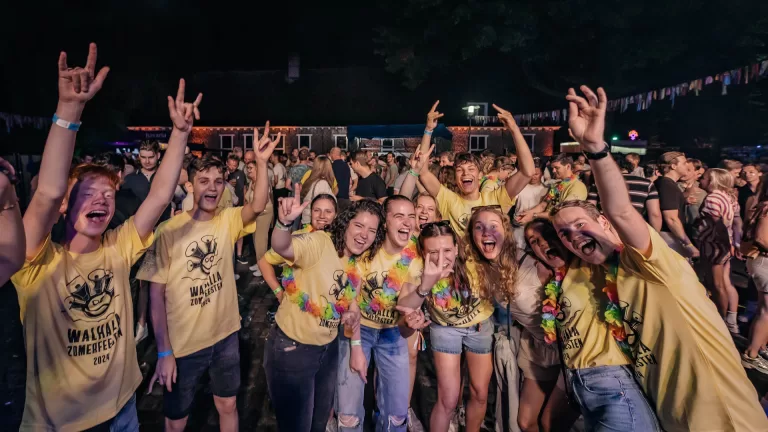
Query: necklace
x=444, y=297
x=613, y=313
x=551, y=306
x=330, y=311
x=556, y=191
x=386, y=298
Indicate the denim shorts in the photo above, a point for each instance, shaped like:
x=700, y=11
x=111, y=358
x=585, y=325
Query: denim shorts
x=477, y=339
x=126, y=420
x=221, y=360
x=611, y=400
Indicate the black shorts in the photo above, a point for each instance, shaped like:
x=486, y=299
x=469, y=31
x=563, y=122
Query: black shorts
x=221, y=360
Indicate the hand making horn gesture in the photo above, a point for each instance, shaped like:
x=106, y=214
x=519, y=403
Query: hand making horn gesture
x=264, y=146
x=419, y=160
x=291, y=208
x=184, y=114
x=432, y=117
x=79, y=85
x=586, y=117
x=505, y=117
x=434, y=272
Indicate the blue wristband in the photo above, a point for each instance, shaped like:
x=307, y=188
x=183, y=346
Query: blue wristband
x=164, y=354
x=427, y=132
x=58, y=121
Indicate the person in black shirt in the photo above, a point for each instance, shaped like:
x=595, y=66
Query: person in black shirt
x=751, y=174
x=140, y=181
x=673, y=166
x=369, y=185
x=236, y=177
x=343, y=176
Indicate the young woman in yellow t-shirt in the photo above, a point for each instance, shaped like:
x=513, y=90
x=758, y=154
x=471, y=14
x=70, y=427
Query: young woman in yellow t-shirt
x=461, y=322
x=301, y=355
x=323, y=212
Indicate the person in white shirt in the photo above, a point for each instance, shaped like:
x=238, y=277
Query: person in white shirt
x=528, y=198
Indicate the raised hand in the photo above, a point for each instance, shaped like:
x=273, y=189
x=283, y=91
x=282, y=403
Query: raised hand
x=79, y=85
x=505, y=117
x=264, y=146
x=183, y=114
x=419, y=160
x=291, y=208
x=586, y=117
x=434, y=272
x=432, y=117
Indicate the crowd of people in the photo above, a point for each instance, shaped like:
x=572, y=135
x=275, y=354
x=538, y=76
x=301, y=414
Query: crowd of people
x=593, y=287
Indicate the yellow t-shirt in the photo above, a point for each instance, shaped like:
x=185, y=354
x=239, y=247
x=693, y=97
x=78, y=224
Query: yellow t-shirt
x=573, y=190
x=587, y=342
x=320, y=274
x=78, y=332
x=225, y=201
x=374, y=273
x=477, y=311
x=458, y=210
x=685, y=358
x=273, y=258
x=194, y=260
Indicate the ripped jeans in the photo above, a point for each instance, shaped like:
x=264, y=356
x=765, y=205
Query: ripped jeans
x=392, y=382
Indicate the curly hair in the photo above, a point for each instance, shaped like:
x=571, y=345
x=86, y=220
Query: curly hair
x=460, y=278
x=505, y=264
x=339, y=226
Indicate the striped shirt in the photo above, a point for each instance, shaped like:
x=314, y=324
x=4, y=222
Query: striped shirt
x=721, y=206
x=640, y=191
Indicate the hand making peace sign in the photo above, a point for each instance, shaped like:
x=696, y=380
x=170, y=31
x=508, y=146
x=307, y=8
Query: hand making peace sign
x=182, y=112
x=419, y=160
x=291, y=208
x=79, y=85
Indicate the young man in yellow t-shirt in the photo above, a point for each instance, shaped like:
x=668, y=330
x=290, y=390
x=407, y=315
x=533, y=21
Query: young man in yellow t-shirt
x=395, y=269
x=194, y=296
x=568, y=188
x=658, y=313
x=75, y=296
x=457, y=208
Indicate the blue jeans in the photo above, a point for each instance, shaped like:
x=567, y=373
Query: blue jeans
x=611, y=400
x=392, y=381
x=301, y=380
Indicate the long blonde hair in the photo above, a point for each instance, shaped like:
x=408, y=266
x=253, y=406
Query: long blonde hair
x=505, y=265
x=720, y=179
x=321, y=170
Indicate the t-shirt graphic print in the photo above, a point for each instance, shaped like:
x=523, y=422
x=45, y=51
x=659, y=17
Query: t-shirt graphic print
x=194, y=261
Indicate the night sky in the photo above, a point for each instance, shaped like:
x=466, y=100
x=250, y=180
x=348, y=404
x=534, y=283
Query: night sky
x=150, y=44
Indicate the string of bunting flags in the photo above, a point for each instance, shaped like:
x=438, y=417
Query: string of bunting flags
x=642, y=101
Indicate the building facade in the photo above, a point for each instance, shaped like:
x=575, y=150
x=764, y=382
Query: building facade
x=322, y=138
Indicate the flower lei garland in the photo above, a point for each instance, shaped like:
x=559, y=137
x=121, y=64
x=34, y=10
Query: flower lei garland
x=554, y=192
x=442, y=295
x=613, y=314
x=330, y=311
x=551, y=306
x=393, y=283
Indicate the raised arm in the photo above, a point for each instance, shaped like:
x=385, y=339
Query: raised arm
x=586, y=119
x=417, y=162
x=288, y=210
x=263, y=148
x=525, y=164
x=183, y=116
x=12, y=241
x=76, y=87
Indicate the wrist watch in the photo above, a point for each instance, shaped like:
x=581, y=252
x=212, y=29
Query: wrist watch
x=598, y=155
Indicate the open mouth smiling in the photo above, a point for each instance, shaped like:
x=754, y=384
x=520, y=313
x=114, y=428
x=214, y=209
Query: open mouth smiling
x=97, y=216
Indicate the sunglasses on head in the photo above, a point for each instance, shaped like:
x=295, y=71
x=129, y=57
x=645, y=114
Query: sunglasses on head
x=444, y=223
